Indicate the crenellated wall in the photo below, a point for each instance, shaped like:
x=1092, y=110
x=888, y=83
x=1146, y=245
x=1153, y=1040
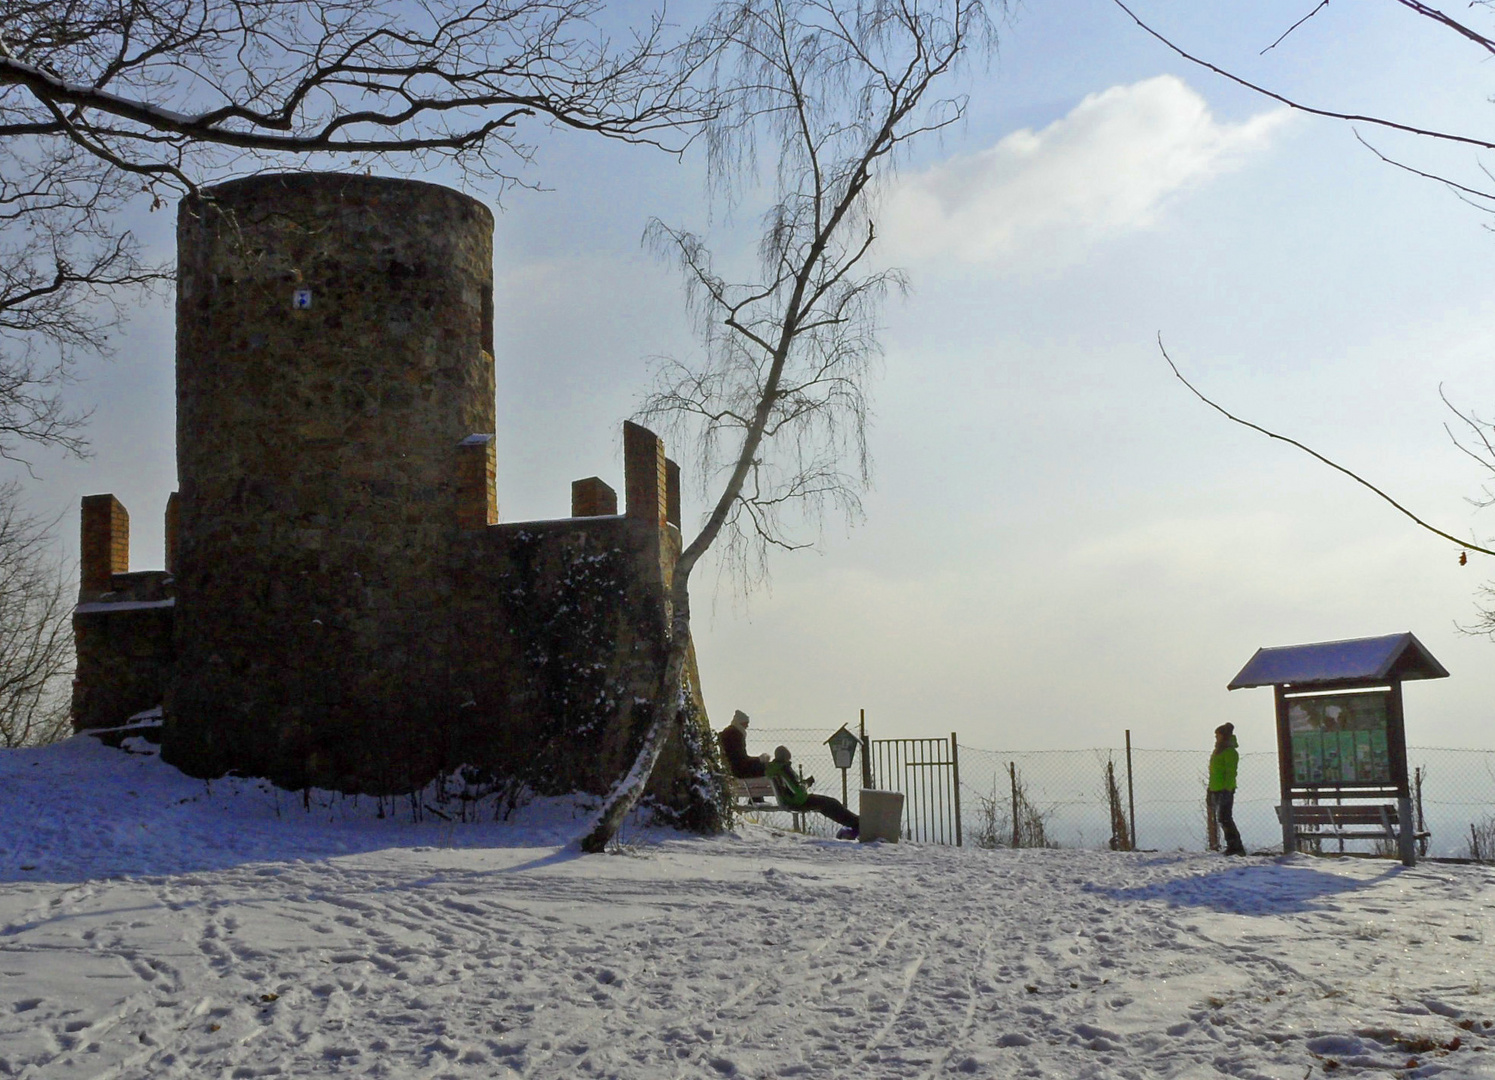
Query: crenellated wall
x=123, y=624
x=348, y=612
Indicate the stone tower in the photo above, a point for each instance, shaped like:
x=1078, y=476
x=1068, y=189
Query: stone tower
x=342, y=608
x=334, y=361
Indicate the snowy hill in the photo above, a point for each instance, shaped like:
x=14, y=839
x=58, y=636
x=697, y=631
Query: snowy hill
x=155, y=926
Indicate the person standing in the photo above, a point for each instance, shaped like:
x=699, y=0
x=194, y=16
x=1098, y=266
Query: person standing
x=1222, y=769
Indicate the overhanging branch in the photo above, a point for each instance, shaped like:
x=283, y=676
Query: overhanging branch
x=1358, y=118
x=1315, y=454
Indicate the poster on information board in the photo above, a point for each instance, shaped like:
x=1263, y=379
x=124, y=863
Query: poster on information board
x=1340, y=739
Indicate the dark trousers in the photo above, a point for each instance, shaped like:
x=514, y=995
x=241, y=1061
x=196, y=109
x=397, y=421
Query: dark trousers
x=1224, y=803
x=832, y=808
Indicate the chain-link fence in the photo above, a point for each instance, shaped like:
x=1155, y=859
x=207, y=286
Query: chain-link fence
x=1062, y=796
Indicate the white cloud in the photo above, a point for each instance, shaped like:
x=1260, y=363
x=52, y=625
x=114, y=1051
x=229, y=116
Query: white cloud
x=1106, y=168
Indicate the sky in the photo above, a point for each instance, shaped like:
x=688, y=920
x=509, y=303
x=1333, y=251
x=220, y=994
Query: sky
x=1061, y=543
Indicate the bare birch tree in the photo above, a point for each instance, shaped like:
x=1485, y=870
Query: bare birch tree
x=36, y=640
x=776, y=399
x=109, y=103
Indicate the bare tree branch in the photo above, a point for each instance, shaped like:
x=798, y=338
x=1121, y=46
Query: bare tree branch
x=1360, y=118
x=1457, y=27
x=1321, y=5
x=1484, y=452
x=1462, y=543
x=109, y=103
x=1467, y=194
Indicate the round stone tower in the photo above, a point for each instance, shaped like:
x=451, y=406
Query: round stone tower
x=334, y=361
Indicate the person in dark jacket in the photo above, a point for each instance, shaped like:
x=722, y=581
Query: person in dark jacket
x=1222, y=769
x=733, y=740
x=795, y=794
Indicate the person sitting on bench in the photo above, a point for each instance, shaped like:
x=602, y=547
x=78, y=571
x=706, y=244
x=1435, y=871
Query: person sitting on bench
x=733, y=739
x=796, y=795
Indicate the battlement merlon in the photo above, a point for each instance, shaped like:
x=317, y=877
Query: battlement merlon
x=593, y=498
x=476, y=482
x=173, y=528
x=672, y=492
x=104, y=544
x=645, y=475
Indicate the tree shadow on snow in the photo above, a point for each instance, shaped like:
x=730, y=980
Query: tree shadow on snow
x=1271, y=888
x=77, y=811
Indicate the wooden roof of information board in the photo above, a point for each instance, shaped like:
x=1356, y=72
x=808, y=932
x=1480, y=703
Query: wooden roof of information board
x=1397, y=657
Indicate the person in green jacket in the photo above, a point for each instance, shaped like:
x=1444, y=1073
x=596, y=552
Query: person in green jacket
x=796, y=795
x=1222, y=768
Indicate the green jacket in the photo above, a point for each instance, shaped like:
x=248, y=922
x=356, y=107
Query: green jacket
x=785, y=785
x=1222, y=766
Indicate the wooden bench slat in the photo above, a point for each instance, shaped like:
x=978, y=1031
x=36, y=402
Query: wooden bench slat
x=1327, y=821
x=746, y=789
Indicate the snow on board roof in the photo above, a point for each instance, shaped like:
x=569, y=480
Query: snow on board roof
x=1395, y=656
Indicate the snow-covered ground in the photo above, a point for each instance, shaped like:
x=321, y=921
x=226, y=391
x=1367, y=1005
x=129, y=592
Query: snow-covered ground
x=151, y=926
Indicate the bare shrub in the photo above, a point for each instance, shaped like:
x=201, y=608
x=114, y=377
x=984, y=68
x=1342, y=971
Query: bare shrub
x=1482, y=840
x=1121, y=831
x=1012, y=818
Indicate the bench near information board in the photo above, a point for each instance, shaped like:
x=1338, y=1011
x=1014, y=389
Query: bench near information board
x=1378, y=821
x=1341, y=734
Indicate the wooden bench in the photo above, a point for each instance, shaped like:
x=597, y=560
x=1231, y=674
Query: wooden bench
x=1337, y=821
x=755, y=795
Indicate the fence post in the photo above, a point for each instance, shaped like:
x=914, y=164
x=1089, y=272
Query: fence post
x=1406, y=840
x=1017, y=839
x=1131, y=802
x=866, y=751
x=1417, y=791
x=955, y=784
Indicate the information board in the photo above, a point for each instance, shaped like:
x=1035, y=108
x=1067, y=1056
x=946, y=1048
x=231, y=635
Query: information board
x=1340, y=739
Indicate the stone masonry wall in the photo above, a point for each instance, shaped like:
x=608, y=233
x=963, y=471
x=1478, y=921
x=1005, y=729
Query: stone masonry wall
x=125, y=650
x=342, y=609
x=333, y=355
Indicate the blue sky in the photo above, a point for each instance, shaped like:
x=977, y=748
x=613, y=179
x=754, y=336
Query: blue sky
x=1061, y=542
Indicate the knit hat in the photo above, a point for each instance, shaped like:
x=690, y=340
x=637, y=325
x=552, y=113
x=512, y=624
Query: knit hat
x=740, y=719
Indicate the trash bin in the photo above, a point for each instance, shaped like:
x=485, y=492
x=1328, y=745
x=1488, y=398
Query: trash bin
x=882, y=815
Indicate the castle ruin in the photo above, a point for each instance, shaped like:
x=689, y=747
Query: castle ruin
x=340, y=606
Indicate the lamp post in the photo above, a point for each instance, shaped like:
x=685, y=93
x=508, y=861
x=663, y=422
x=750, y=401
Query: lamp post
x=843, y=746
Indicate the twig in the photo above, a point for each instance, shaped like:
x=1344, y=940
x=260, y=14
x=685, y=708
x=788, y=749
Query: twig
x=1457, y=27
x=1322, y=4
x=1445, y=136
x=1314, y=453
x=1457, y=187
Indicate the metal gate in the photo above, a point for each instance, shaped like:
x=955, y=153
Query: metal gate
x=927, y=771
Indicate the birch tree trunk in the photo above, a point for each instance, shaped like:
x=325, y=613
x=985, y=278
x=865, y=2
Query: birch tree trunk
x=839, y=88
